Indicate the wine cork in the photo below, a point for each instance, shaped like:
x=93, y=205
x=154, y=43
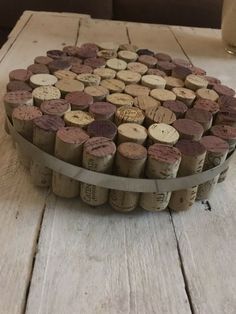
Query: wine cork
x=44, y=134
x=163, y=162
x=95, y=62
x=37, y=80
x=68, y=147
x=108, y=46
x=43, y=60
x=226, y=118
x=217, y=150
x=81, y=69
x=128, y=77
x=42, y=93
x=128, y=47
x=226, y=102
x=163, y=57
x=87, y=52
x=149, y=61
x=98, y=93
x=72, y=60
x=198, y=71
x=104, y=128
x=14, y=99
x=146, y=52
x=102, y=110
x=203, y=117
x=20, y=75
x=155, y=71
x=78, y=118
x=146, y=102
x=131, y=132
x=14, y=86
x=223, y=90
x=89, y=79
x=166, y=67
x=69, y=85
x=189, y=129
x=59, y=64
x=55, y=107
x=119, y=99
x=38, y=69
x=107, y=54
x=55, y=54
x=130, y=162
x=98, y=155
x=208, y=94
x=129, y=114
x=79, y=100
x=159, y=115
x=207, y=105
x=182, y=62
x=181, y=72
x=177, y=106
x=172, y=82
x=128, y=56
x=137, y=67
x=71, y=50
x=105, y=73
x=116, y=64
x=162, y=94
x=193, y=157
x=153, y=81
x=225, y=132
x=65, y=74
x=113, y=85
x=136, y=90
x=162, y=133
x=90, y=46
x=212, y=81
x=185, y=95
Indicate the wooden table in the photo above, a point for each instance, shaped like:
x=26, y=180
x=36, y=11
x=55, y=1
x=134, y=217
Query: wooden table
x=62, y=257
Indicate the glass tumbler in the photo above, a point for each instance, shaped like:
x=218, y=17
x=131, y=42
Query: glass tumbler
x=228, y=25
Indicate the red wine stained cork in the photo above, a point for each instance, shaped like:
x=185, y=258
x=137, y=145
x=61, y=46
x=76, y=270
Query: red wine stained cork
x=107, y=54
x=105, y=73
x=44, y=134
x=72, y=60
x=205, y=93
x=146, y=102
x=119, y=99
x=71, y=50
x=198, y=71
x=130, y=162
x=37, y=80
x=81, y=68
x=172, y=82
x=159, y=115
x=166, y=66
x=163, y=162
x=212, y=81
x=128, y=77
x=217, y=150
x=226, y=118
x=185, y=95
x=135, y=90
x=79, y=100
x=162, y=133
x=181, y=72
x=195, y=82
x=154, y=71
x=55, y=107
x=20, y=75
x=163, y=57
x=45, y=93
x=102, y=110
x=43, y=60
x=14, y=99
x=189, y=129
x=95, y=62
x=126, y=114
x=65, y=74
x=90, y=46
x=207, y=105
x=113, y=85
x=153, y=81
x=78, y=118
x=13, y=86
x=225, y=132
x=223, y=90
x=193, y=157
x=226, y=102
x=68, y=86
x=137, y=67
x=128, y=56
x=201, y=116
x=98, y=155
x=116, y=64
x=132, y=132
x=182, y=62
x=56, y=54
x=149, y=61
x=38, y=69
x=128, y=47
x=104, y=128
x=162, y=94
x=57, y=65
x=68, y=147
x=146, y=52
x=87, y=52
x=177, y=106
x=99, y=93
x=89, y=79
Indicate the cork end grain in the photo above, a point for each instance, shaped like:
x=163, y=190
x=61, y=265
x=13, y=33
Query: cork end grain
x=79, y=100
x=190, y=148
x=225, y=132
x=214, y=144
x=99, y=147
x=55, y=106
x=188, y=127
x=133, y=151
x=164, y=153
x=26, y=113
x=199, y=115
x=72, y=135
x=102, y=110
x=18, y=97
x=102, y=128
x=208, y=105
x=49, y=123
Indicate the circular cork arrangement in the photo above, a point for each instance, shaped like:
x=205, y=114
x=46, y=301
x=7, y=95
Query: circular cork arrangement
x=108, y=107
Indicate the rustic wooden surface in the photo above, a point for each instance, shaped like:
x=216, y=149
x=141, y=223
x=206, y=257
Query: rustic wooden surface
x=61, y=256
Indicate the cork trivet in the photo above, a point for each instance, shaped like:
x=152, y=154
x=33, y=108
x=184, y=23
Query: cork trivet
x=227, y=102
x=182, y=62
x=181, y=72
x=177, y=106
x=13, y=86
x=162, y=94
x=119, y=99
x=163, y=57
x=212, y=81
x=131, y=132
x=71, y=50
x=128, y=47
x=149, y=61
x=198, y=71
x=45, y=93
x=217, y=150
x=129, y=114
x=153, y=81
x=116, y=64
x=159, y=115
x=98, y=155
x=87, y=52
x=113, y=85
x=20, y=75
x=146, y=102
x=172, y=82
x=130, y=162
x=128, y=77
x=108, y=46
x=158, y=72
x=14, y=99
x=223, y=90
x=107, y=54
x=38, y=69
x=98, y=93
x=162, y=133
x=81, y=68
x=189, y=129
x=37, y=80
x=105, y=73
x=65, y=74
x=59, y=64
x=68, y=147
x=89, y=79
x=78, y=118
x=57, y=107
x=79, y=100
x=201, y=116
x=163, y=162
x=104, y=128
x=137, y=67
x=102, y=110
x=69, y=85
x=225, y=132
x=136, y=90
x=128, y=56
x=207, y=105
x=193, y=156
x=166, y=67
x=185, y=95
x=95, y=62
x=195, y=82
x=56, y=54
x=43, y=60
x=205, y=93
x=146, y=52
